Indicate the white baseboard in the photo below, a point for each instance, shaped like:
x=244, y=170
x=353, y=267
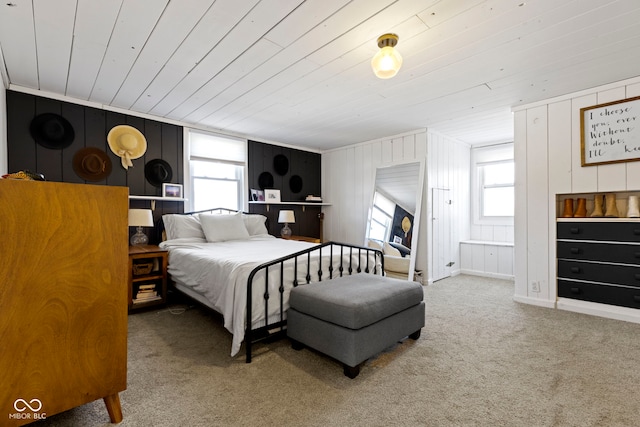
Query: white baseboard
x=487, y=274
x=602, y=310
x=534, y=301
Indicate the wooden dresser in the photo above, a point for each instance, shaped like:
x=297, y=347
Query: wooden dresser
x=63, y=294
x=599, y=261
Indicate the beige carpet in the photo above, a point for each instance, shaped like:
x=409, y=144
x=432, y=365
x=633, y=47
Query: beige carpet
x=482, y=360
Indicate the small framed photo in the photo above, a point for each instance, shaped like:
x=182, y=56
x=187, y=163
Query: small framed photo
x=260, y=196
x=272, y=196
x=254, y=195
x=172, y=190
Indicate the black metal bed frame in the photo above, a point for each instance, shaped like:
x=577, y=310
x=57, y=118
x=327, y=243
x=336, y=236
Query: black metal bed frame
x=277, y=329
x=363, y=264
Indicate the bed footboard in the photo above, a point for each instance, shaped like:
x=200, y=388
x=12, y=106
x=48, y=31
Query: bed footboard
x=276, y=278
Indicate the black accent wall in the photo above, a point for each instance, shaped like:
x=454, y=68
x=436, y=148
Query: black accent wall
x=164, y=141
x=91, y=126
x=304, y=165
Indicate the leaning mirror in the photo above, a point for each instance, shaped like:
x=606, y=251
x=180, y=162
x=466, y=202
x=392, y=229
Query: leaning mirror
x=394, y=216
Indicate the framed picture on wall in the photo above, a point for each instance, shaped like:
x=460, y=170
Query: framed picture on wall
x=608, y=133
x=272, y=196
x=172, y=190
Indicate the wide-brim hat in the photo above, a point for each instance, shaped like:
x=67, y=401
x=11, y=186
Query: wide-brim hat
x=52, y=131
x=265, y=180
x=128, y=143
x=281, y=164
x=91, y=164
x=157, y=172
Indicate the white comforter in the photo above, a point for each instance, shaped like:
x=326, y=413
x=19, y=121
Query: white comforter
x=219, y=271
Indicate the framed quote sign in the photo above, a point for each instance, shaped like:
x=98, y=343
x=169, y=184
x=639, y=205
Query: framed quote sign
x=610, y=133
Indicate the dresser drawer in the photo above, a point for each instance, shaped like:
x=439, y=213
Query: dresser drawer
x=605, y=252
x=595, y=272
x=605, y=294
x=607, y=231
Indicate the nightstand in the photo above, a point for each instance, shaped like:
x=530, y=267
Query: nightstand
x=305, y=239
x=147, y=277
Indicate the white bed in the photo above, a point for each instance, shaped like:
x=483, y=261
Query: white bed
x=215, y=269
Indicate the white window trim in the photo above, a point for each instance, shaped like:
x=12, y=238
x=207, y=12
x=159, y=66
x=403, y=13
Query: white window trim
x=480, y=157
x=186, y=157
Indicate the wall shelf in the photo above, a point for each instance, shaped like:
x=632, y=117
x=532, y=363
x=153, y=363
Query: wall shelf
x=303, y=204
x=153, y=199
x=165, y=199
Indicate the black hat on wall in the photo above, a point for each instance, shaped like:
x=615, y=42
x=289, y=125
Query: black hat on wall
x=157, y=172
x=281, y=164
x=52, y=131
x=265, y=180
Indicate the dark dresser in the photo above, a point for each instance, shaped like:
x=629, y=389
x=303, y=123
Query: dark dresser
x=599, y=261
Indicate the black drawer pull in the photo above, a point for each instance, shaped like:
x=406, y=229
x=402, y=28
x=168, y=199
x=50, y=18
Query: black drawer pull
x=636, y=231
x=636, y=298
x=578, y=270
x=636, y=254
x=574, y=230
x=637, y=276
x=577, y=251
x=576, y=291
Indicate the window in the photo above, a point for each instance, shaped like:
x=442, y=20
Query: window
x=497, y=189
x=381, y=216
x=493, y=184
x=216, y=169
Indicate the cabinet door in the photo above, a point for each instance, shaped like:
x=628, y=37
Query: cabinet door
x=64, y=293
x=605, y=252
x=606, y=294
x=599, y=272
x=607, y=231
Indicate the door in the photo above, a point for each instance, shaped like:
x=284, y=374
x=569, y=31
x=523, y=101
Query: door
x=441, y=234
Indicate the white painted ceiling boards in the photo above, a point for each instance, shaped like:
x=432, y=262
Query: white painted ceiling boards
x=298, y=72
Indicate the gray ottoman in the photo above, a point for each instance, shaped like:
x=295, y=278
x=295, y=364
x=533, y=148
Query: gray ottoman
x=354, y=317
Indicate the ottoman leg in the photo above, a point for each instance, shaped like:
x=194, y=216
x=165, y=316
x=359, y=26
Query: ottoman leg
x=415, y=335
x=352, y=371
x=296, y=345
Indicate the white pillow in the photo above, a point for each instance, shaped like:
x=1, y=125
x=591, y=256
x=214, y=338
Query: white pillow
x=220, y=228
x=374, y=244
x=390, y=250
x=255, y=224
x=182, y=226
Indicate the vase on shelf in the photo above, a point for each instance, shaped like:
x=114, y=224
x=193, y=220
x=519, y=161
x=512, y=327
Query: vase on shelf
x=568, y=208
x=610, y=205
x=597, y=206
x=633, y=211
x=581, y=208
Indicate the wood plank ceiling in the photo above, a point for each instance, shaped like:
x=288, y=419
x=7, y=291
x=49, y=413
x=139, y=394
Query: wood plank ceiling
x=298, y=72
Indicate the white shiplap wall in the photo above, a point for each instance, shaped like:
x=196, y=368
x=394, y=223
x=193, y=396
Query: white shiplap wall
x=348, y=175
x=547, y=155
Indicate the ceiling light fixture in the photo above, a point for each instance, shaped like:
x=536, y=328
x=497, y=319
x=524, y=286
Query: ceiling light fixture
x=387, y=61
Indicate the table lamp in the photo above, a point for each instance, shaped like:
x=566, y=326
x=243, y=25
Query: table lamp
x=286, y=217
x=140, y=218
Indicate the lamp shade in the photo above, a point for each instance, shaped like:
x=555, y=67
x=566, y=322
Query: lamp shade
x=387, y=61
x=287, y=216
x=140, y=218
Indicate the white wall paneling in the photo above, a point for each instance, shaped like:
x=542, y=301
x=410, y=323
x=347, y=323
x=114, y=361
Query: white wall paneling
x=488, y=259
x=349, y=188
x=547, y=152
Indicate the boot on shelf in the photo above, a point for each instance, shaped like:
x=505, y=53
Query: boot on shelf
x=597, y=206
x=611, y=207
x=568, y=208
x=581, y=209
x=633, y=211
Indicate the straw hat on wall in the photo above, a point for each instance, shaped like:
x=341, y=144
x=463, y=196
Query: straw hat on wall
x=128, y=143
